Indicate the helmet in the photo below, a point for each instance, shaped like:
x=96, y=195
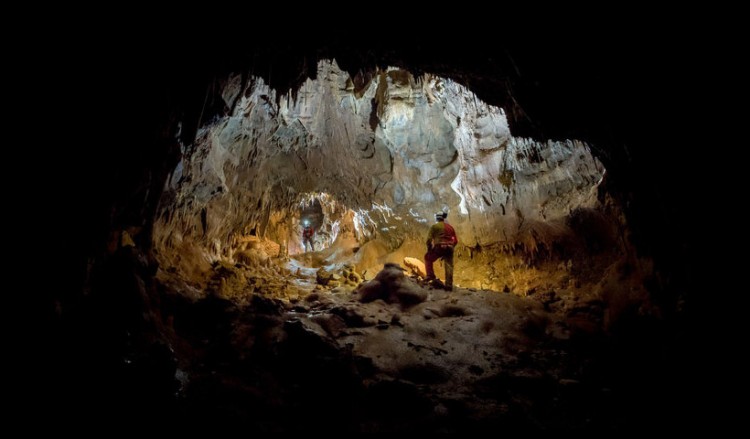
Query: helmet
x=441, y=215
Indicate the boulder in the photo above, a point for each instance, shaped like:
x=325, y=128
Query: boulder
x=323, y=276
x=415, y=266
x=392, y=286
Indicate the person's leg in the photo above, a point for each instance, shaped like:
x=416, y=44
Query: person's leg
x=448, y=260
x=429, y=258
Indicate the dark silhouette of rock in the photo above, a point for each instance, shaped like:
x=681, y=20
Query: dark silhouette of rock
x=323, y=276
x=353, y=316
x=333, y=325
x=450, y=310
x=392, y=286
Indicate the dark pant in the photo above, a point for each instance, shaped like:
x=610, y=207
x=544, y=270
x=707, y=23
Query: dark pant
x=306, y=241
x=444, y=252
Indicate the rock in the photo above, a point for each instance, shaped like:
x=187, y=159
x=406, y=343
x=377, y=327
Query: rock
x=227, y=281
x=392, y=286
x=397, y=400
x=323, y=276
x=424, y=373
x=253, y=258
x=441, y=410
x=409, y=295
x=583, y=325
x=352, y=316
x=333, y=324
x=396, y=320
x=232, y=88
x=568, y=382
x=371, y=290
x=550, y=300
x=535, y=325
x=266, y=305
x=452, y=311
x=416, y=266
x=364, y=366
x=475, y=370
x=392, y=265
x=308, y=340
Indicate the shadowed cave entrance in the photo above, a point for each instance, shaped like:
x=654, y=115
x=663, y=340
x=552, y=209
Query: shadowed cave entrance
x=551, y=325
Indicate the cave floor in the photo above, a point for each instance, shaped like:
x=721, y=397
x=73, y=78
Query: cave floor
x=466, y=360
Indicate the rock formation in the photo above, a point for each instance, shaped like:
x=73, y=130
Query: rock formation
x=380, y=158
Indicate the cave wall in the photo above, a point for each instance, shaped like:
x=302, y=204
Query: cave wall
x=391, y=147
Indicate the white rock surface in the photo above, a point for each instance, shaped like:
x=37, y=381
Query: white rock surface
x=385, y=159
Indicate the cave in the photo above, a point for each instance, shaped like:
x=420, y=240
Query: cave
x=190, y=299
